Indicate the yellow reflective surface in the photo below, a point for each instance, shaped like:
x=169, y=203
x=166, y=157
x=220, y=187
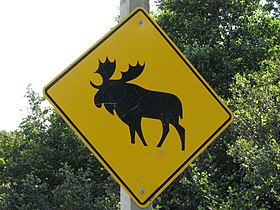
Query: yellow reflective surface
x=143, y=171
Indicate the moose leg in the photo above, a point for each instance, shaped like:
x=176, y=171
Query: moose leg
x=132, y=134
x=165, y=130
x=139, y=132
x=181, y=132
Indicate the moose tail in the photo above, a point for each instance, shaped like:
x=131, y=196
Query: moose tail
x=181, y=115
x=181, y=111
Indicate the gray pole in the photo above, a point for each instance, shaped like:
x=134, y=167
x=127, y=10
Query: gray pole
x=126, y=6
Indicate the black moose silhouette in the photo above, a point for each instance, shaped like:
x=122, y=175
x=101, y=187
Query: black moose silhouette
x=132, y=102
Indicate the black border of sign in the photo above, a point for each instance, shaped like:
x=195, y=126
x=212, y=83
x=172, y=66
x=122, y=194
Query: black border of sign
x=88, y=142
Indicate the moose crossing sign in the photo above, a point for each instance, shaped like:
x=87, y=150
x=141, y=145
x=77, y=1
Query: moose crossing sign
x=139, y=105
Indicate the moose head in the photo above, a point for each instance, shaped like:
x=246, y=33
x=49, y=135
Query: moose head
x=105, y=70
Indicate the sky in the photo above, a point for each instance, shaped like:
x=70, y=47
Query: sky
x=39, y=39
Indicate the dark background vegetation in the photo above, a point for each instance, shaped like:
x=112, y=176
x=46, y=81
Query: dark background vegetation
x=235, y=45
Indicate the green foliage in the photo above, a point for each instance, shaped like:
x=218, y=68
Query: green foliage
x=45, y=166
x=273, y=6
x=235, y=45
x=230, y=43
x=240, y=170
x=77, y=190
x=256, y=101
x=221, y=37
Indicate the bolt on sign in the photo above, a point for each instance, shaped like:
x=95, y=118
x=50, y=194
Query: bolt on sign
x=139, y=105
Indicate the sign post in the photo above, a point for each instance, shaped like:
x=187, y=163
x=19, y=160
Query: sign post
x=126, y=6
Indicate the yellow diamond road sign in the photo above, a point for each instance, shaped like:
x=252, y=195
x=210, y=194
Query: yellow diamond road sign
x=139, y=105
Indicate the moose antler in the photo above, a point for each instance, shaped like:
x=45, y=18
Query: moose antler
x=132, y=72
x=106, y=69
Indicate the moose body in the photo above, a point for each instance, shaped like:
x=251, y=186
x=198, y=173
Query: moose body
x=132, y=102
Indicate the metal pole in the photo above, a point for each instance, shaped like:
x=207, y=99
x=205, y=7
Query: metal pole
x=126, y=6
